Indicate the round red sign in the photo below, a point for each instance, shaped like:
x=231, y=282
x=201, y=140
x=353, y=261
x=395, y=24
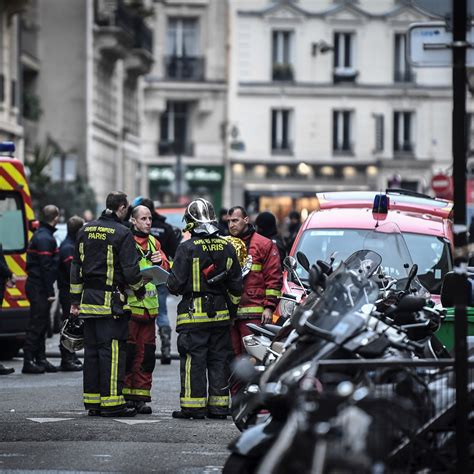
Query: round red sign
x=441, y=184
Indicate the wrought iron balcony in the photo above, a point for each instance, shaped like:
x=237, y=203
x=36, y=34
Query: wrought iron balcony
x=282, y=72
x=184, y=69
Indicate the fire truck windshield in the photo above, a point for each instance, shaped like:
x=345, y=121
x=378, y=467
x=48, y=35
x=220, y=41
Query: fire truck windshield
x=12, y=222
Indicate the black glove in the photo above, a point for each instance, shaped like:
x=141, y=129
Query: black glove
x=140, y=293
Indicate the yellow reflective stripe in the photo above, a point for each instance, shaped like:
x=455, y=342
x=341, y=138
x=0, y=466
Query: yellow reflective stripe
x=233, y=299
x=138, y=285
x=110, y=266
x=136, y=391
x=184, y=318
x=91, y=397
x=228, y=264
x=95, y=309
x=187, y=376
x=218, y=401
x=269, y=292
x=250, y=309
x=108, y=299
x=141, y=311
x=187, y=402
x=114, y=367
x=81, y=251
x=256, y=267
x=75, y=289
x=112, y=401
x=197, y=306
x=196, y=275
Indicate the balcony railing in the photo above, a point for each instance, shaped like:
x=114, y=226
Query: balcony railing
x=282, y=72
x=184, y=69
x=167, y=148
x=342, y=74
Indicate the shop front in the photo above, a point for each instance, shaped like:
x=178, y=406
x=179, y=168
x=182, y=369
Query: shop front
x=168, y=186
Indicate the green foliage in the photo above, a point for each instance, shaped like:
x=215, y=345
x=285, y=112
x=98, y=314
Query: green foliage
x=32, y=107
x=71, y=198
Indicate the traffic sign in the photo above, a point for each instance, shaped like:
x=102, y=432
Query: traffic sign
x=430, y=45
x=442, y=185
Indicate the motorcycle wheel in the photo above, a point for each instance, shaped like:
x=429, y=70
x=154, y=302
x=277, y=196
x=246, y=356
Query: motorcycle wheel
x=237, y=464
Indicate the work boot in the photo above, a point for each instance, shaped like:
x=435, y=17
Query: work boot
x=142, y=408
x=215, y=416
x=48, y=367
x=6, y=370
x=70, y=366
x=123, y=413
x=29, y=367
x=165, y=336
x=186, y=415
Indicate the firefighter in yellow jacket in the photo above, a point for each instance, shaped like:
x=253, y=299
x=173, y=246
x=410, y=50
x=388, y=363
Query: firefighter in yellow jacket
x=141, y=343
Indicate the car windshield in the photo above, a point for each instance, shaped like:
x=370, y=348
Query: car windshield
x=174, y=218
x=432, y=254
x=12, y=223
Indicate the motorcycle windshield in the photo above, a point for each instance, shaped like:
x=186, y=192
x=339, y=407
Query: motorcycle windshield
x=347, y=290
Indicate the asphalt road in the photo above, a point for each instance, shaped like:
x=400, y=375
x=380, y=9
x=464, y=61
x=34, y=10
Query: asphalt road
x=43, y=427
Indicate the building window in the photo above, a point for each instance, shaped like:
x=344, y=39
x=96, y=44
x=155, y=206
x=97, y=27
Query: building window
x=130, y=107
x=105, y=92
x=342, y=131
x=402, y=132
x=379, y=132
x=174, y=129
x=282, y=69
x=182, y=60
x=402, y=70
x=344, y=70
x=281, y=131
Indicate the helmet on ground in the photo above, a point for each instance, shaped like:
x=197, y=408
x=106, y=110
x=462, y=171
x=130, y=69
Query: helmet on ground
x=72, y=334
x=200, y=217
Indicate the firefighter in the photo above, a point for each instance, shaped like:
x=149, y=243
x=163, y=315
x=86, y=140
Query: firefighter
x=262, y=285
x=69, y=360
x=105, y=266
x=141, y=328
x=42, y=269
x=207, y=274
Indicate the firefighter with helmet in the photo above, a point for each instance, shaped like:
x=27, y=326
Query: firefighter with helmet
x=207, y=273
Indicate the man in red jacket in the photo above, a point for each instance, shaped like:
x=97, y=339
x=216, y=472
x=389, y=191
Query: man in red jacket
x=262, y=285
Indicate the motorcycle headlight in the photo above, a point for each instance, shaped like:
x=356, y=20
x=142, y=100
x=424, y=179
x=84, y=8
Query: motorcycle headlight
x=287, y=307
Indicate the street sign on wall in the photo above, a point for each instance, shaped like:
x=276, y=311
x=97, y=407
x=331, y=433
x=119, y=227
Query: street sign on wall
x=429, y=45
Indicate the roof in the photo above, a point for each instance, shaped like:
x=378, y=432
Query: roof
x=399, y=200
x=362, y=218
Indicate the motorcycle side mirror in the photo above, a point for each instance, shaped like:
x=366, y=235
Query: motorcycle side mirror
x=303, y=260
x=317, y=278
x=289, y=263
x=412, y=274
x=244, y=371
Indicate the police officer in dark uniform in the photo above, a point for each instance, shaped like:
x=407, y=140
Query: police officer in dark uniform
x=69, y=360
x=105, y=267
x=207, y=273
x=42, y=270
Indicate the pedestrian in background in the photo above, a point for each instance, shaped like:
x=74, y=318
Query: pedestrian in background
x=293, y=228
x=42, y=270
x=169, y=242
x=141, y=343
x=7, y=280
x=104, y=266
x=262, y=285
x=265, y=224
x=207, y=273
x=223, y=223
x=69, y=360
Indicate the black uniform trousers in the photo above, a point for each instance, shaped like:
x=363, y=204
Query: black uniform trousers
x=35, y=342
x=104, y=363
x=204, y=362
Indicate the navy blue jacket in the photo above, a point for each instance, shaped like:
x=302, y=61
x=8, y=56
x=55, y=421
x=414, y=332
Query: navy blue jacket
x=66, y=253
x=42, y=259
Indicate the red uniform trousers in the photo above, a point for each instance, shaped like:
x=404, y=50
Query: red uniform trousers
x=140, y=359
x=238, y=330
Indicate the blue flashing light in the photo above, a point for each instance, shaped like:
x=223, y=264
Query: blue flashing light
x=7, y=148
x=381, y=204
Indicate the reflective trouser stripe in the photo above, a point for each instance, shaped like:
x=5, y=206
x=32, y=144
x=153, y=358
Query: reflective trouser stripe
x=187, y=377
x=186, y=402
x=269, y=292
x=218, y=401
x=136, y=391
x=91, y=398
x=114, y=368
x=250, y=310
x=112, y=401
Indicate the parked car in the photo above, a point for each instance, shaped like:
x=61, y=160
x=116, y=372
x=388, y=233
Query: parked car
x=174, y=216
x=337, y=228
